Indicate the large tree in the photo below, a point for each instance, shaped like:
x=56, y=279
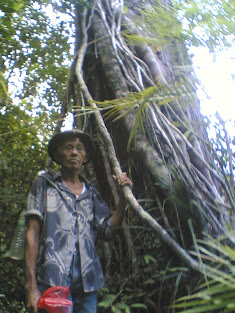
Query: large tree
x=135, y=92
x=132, y=87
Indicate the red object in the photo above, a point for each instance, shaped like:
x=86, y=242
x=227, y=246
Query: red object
x=54, y=300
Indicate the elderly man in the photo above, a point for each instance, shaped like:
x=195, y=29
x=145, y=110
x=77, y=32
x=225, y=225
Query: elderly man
x=63, y=211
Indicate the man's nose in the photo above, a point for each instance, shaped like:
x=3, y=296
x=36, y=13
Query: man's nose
x=74, y=150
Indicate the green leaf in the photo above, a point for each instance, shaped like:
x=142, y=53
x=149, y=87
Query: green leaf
x=115, y=309
x=17, y=5
x=107, y=301
x=123, y=306
x=139, y=305
x=148, y=258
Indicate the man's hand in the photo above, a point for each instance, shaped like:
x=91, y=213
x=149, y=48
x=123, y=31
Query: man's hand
x=32, y=300
x=123, y=180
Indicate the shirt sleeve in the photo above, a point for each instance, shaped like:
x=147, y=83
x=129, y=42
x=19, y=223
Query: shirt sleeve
x=102, y=215
x=36, y=201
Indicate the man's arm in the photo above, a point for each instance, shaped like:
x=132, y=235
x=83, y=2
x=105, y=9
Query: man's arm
x=118, y=215
x=31, y=254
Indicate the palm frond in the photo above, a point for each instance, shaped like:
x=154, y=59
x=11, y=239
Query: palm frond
x=217, y=293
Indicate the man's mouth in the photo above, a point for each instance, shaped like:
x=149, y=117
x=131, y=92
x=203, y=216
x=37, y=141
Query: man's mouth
x=74, y=160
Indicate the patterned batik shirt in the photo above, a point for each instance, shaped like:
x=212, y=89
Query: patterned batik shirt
x=67, y=220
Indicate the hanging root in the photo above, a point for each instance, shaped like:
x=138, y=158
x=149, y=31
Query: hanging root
x=128, y=73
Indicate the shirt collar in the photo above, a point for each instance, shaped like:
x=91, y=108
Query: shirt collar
x=58, y=177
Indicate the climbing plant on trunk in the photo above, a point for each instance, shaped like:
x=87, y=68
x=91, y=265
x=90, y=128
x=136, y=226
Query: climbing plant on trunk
x=132, y=87
x=137, y=97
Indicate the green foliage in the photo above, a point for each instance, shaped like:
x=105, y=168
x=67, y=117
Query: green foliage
x=12, y=282
x=197, y=23
x=22, y=155
x=37, y=54
x=3, y=90
x=149, y=258
x=208, y=23
x=217, y=293
x=167, y=29
x=119, y=303
x=34, y=61
x=139, y=103
x=155, y=280
x=7, y=9
x=35, y=50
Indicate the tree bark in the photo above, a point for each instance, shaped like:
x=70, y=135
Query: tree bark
x=168, y=148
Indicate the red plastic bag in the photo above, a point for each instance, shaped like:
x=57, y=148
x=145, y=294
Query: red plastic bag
x=54, y=300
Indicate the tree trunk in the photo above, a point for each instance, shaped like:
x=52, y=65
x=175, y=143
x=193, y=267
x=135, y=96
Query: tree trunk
x=176, y=183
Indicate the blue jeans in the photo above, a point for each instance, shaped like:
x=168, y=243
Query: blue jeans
x=83, y=302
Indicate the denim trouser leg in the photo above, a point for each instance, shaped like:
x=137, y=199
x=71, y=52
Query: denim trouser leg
x=83, y=302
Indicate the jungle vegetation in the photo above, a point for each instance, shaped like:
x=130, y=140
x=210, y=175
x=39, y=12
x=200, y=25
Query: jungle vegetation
x=122, y=72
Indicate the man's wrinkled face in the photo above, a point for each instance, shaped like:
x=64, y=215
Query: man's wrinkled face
x=71, y=154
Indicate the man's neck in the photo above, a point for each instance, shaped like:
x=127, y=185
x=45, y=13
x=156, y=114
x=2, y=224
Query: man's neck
x=70, y=176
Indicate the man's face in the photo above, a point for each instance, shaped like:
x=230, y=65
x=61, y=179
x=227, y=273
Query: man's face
x=71, y=154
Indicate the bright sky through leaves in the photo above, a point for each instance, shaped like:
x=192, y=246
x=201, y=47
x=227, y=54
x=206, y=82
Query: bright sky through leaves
x=217, y=75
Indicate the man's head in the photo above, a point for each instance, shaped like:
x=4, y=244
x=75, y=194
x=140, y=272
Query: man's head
x=59, y=140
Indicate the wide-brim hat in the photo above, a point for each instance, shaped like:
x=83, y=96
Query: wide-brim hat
x=60, y=138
